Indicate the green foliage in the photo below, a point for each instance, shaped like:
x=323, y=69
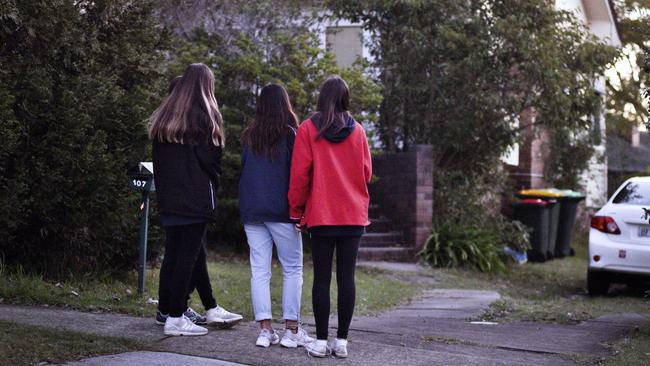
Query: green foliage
x=463, y=246
x=625, y=107
x=515, y=235
x=472, y=68
x=268, y=44
x=458, y=74
x=478, y=246
x=570, y=155
x=77, y=79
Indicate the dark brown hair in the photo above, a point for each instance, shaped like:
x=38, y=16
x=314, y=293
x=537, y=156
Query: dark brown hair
x=273, y=117
x=333, y=105
x=173, y=83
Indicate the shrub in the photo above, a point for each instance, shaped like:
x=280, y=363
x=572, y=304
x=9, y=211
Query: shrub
x=77, y=80
x=515, y=235
x=462, y=246
x=475, y=247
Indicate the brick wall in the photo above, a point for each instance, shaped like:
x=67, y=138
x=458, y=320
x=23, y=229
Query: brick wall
x=404, y=191
x=533, y=154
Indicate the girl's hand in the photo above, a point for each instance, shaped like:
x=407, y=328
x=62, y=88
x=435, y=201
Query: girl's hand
x=300, y=228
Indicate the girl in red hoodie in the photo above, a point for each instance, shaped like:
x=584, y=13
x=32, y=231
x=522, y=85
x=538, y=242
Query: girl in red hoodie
x=328, y=196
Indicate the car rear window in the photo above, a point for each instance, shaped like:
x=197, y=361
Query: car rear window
x=634, y=193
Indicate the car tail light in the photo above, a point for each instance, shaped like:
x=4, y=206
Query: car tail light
x=605, y=224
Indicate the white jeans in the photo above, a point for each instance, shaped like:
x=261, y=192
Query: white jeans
x=288, y=244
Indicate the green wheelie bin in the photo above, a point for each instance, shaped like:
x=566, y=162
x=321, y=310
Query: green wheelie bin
x=535, y=214
x=568, y=209
x=552, y=197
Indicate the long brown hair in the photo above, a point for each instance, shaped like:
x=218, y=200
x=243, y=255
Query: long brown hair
x=273, y=116
x=173, y=83
x=190, y=114
x=333, y=105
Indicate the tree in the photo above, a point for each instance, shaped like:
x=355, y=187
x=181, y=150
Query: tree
x=248, y=46
x=625, y=107
x=77, y=81
x=456, y=74
x=459, y=75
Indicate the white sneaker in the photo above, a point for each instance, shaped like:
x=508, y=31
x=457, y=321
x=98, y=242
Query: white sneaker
x=222, y=318
x=318, y=348
x=266, y=338
x=293, y=340
x=183, y=326
x=338, y=347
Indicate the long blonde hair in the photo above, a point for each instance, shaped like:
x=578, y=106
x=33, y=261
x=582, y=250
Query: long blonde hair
x=190, y=113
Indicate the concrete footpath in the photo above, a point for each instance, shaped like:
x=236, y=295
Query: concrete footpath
x=434, y=329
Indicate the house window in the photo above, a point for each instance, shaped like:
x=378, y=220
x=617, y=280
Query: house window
x=511, y=156
x=346, y=43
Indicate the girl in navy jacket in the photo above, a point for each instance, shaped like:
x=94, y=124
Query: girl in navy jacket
x=266, y=162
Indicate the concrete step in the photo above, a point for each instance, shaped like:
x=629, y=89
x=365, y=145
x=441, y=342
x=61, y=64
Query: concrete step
x=390, y=254
x=389, y=239
x=380, y=225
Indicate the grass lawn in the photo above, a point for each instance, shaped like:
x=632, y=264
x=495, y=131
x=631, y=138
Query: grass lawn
x=230, y=281
x=555, y=291
x=633, y=350
x=30, y=345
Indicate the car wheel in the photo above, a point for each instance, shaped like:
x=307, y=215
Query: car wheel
x=597, y=283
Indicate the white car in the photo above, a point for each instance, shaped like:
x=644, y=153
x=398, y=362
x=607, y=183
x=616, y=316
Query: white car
x=619, y=238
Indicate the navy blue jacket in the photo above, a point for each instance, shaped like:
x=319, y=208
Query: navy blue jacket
x=264, y=184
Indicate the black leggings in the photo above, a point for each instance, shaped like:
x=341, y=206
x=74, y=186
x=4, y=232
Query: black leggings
x=201, y=280
x=184, y=266
x=346, y=258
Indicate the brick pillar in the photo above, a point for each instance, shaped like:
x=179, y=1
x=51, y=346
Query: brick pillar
x=423, y=194
x=404, y=192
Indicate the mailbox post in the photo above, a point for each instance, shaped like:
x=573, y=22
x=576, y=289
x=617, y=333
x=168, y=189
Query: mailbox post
x=142, y=180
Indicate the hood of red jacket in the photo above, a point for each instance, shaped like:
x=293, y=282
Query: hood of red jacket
x=335, y=135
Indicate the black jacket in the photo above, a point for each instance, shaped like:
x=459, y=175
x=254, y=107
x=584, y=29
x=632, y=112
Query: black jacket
x=187, y=178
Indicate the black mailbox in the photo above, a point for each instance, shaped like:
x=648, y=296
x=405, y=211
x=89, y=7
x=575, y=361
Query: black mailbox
x=141, y=179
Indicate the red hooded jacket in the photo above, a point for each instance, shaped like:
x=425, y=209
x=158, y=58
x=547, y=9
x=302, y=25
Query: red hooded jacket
x=329, y=176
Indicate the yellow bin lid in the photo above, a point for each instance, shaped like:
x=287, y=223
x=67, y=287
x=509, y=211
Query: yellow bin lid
x=540, y=193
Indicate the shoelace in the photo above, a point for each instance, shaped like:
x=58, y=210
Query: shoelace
x=191, y=314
